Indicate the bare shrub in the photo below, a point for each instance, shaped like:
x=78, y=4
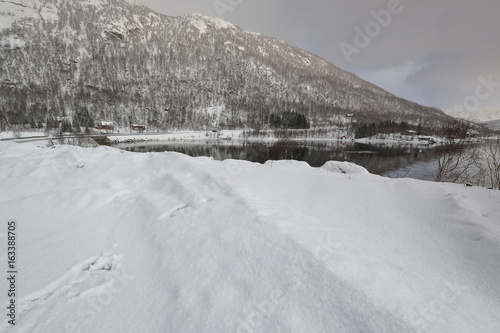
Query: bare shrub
x=457, y=157
x=489, y=164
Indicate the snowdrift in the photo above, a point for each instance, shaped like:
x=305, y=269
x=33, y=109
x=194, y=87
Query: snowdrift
x=111, y=241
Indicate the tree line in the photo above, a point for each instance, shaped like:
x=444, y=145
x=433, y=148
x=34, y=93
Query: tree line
x=386, y=126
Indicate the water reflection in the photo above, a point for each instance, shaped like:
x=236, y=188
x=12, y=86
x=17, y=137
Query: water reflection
x=392, y=160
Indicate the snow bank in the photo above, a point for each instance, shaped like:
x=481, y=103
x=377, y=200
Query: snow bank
x=344, y=167
x=12, y=135
x=112, y=241
x=174, y=136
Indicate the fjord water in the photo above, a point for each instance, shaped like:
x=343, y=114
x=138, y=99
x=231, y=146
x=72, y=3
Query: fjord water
x=392, y=160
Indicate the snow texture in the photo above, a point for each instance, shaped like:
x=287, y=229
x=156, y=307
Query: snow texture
x=11, y=11
x=112, y=241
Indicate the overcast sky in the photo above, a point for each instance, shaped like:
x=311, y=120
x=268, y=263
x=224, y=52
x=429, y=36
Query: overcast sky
x=433, y=52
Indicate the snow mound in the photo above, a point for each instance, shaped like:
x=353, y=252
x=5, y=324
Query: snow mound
x=344, y=167
x=112, y=241
x=12, y=149
x=287, y=164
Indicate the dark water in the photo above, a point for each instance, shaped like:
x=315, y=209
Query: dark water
x=387, y=160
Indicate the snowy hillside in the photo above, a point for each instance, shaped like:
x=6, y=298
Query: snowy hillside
x=126, y=63
x=487, y=117
x=479, y=116
x=110, y=241
x=492, y=125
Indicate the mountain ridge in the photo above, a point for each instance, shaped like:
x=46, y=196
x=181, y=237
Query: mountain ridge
x=124, y=62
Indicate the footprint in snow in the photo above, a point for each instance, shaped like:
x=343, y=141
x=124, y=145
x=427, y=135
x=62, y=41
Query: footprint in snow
x=84, y=279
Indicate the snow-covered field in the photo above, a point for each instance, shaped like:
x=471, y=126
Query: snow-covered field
x=112, y=241
x=12, y=135
x=174, y=136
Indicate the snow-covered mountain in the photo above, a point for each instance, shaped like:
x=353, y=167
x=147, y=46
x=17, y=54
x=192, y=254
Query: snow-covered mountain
x=479, y=116
x=486, y=117
x=126, y=63
x=493, y=125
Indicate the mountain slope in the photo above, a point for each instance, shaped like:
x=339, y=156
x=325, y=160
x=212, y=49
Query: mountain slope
x=493, y=125
x=126, y=63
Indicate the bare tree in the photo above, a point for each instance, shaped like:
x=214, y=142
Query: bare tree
x=457, y=159
x=489, y=164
